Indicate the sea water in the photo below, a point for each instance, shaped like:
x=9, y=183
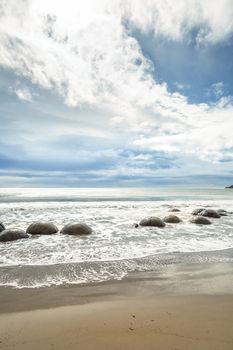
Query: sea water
x=116, y=247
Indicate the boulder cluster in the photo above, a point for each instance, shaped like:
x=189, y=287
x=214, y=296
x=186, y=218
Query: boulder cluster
x=43, y=228
x=200, y=216
x=157, y=222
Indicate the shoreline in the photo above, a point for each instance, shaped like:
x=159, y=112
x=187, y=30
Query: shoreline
x=88, y=273
x=188, y=307
x=172, y=278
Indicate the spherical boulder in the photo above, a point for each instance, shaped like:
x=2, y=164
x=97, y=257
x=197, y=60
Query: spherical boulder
x=76, y=229
x=174, y=210
x=12, y=235
x=2, y=227
x=42, y=228
x=222, y=212
x=172, y=219
x=210, y=213
x=200, y=220
x=197, y=211
x=152, y=221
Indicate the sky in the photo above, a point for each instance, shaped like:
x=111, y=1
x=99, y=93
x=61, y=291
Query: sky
x=127, y=93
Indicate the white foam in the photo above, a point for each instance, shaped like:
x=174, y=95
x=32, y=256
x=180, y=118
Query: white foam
x=114, y=236
x=114, y=239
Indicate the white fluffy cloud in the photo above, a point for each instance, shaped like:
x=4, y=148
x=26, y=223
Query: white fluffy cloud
x=212, y=20
x=83, y=52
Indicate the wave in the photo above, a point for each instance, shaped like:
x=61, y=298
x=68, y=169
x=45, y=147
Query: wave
x=97, y=271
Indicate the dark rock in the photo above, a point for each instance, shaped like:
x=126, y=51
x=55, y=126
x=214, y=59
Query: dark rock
x=42, y=228
x=173, y=219
x=174, y=210
x=197, y=211
x=2, y=227
x=12, y=235
x=136, y=225
x=210, y=213
x=76, y=229
x=152, y=221
x=200, y=220
x=231, y=186
x=222, y=212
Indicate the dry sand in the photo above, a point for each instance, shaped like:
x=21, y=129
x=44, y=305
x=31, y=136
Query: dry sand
x=133, y=314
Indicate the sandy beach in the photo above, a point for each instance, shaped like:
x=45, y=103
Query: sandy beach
x=141, y=312
x=201, y=322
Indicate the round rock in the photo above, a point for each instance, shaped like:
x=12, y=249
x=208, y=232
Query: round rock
x=222, y=212
x=172, y=219
x=200, y=220
x=12, y=235
x=210, y=213
x=174, y=210
x=152, y=221
x=76, y=229
x=42, y=228
x=197, y=211
x=2, y=227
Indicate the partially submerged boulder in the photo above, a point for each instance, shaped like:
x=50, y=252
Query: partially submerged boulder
x=172, y=219
x=222, y=212
x=174, y=210
x=42, y=228
x=200, y=220
x=2, y=227
x=152, y=221
x=12, y=234
x=197, y=211
x=210, y=213
x=76, y=229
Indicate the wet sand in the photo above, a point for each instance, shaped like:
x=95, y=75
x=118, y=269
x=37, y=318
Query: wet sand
x=190, y=322
x=184, y=308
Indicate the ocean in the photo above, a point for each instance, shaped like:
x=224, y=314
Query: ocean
x=116, y=248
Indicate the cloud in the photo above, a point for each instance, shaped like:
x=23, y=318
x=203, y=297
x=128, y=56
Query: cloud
x=86, y=54
x=206, y=133
x=182, y=20
x=86, y=62
x=181, y=86
x=23, y=94
x=217, y=89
